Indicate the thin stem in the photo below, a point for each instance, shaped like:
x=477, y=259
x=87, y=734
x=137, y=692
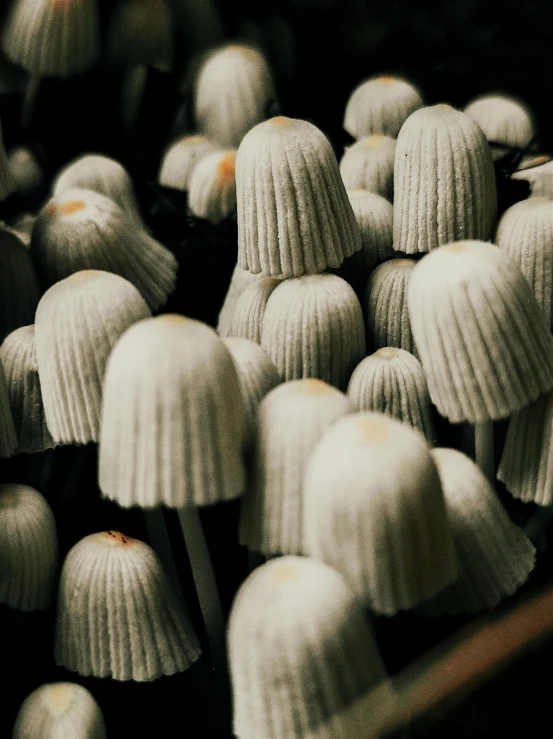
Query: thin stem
x=483, y=445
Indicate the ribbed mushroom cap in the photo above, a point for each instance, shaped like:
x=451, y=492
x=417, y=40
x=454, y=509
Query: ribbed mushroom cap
x=7, y=184
x=444, y=181
x=504, y=120
x=53, y=38
x=495, y=557
x=300, y=651
x=374, y=216
x=310, y=224
x=18, y=356
x=60, y=711
x=481, y=337
x=526, y=465
x=181, y=158
x=234, y=92
x=212, y=190
x=8, y=435
x=374, y=510
x=392, y=381
x=26, y=172
x=313, y=327
x=539, y=174
x=369, y=165
x=81, y=229
x=78, y=322
x=28, y=548
x=173, y=417
x=525, y=233
x=117, y=616
x=380, y=105
x=102, y=175
x=249, y=311
x=141, y=32
x=19, y=290
x=257, y=375
x=385, y=304
x=240, y=279
x=291, y=419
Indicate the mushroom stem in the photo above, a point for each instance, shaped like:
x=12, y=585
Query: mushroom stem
x=132, y=93
x=31, y=93
x=160, y=541
x=206, y=587
x=483, y=448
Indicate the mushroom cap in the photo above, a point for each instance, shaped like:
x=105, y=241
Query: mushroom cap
x=444, y=181
x=59, y=38
x=380, y=106
x=374, y=510
x=311, y=225
x=300, y=651
x=313, y=327
x=291, y=419
x=81, y=230
x=28, y=548
x=171, y=393
x=117, y=616
x=72, y=353
x=234, y=91
x=499, y=357
x=60, y=709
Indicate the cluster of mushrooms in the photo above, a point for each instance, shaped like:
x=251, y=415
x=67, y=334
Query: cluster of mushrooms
x=371, y=297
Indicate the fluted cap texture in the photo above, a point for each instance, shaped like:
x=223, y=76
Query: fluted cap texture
x=212, y=191
x=81, y=229
x=374, y=216
x=294, y=215
x=28, y=549
x=102, y=175
x=300, y=651
x=291, y=419
x=495, y=557
x=181, y=158
x=8, y=434
x=18, y=357
x=369, y=165
x=78, y=322
x=392, y=381
x=117, y=616
x=26, y=172
x=60, y=711
x=257, y=375
x=313, y=327
x=481, y=337
x=173, y=417
x=240, y=279
x=233, y=93
x=374, y=510
x=249, y=311
x=526, y=465
x=7, y=184
x=444, y=181
x=141, y=32
x=380, y=105
x=387, y=313
x=503, y=120
x=53, y=39
x=19, y=290
x=525, y=233
x=539, y=176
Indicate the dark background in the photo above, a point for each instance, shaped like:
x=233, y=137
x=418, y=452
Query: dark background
x=453, y=51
